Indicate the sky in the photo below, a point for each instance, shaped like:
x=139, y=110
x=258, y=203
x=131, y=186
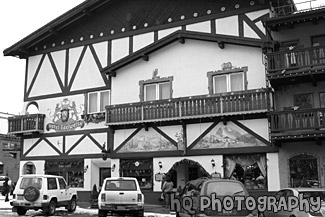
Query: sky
x=19, y=18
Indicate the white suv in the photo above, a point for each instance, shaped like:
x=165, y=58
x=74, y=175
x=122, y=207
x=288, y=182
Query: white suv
x=44, y=192
x=122, y=196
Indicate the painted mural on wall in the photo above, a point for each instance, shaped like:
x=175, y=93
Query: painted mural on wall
x=65, y=117
x=227, y=136
x=147, y=141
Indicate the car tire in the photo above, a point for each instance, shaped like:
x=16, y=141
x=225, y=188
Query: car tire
x=102, y=213
x=31, y=193
x=21, y=211
x=139, y=213
x=51, y=208
x=72, y=205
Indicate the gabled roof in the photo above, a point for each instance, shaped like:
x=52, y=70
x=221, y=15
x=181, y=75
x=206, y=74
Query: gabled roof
x=55, y=25
x=181, y=36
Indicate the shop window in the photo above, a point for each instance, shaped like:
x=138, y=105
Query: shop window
x=72, y=171
x=227, y=80
x=97, y=101
x=29, y=168
x=318, y=40
x=303, y=171
x=249, y=169
x=140, y=169
x=156, y=89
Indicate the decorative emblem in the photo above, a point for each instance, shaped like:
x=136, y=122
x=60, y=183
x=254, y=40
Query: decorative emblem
x=227, y=66
x=155, y=74
x=65, y=117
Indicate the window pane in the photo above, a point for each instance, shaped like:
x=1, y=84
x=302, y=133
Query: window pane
x=164, y=90
x=104, y=100
x=236, y=82
x=92, y=102
x=150, y=92
x=220, y=84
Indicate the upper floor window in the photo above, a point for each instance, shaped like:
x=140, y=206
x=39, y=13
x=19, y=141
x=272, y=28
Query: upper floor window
x=156, y=89
x=318, y=40
x=97, y=101
x=1, y=167
x=227, y=80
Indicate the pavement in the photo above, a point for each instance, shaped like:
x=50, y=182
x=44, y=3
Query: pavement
x=84, y=207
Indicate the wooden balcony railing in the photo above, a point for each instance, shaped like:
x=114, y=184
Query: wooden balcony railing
x=25, y=124
x=196, y=106
x=295, y=59
x=298, y=120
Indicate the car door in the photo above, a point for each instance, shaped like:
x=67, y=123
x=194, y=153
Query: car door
x=52, y=187
x=64, y=192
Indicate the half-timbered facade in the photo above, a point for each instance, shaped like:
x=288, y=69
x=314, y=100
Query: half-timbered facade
x=142, y=88
x=296, y=72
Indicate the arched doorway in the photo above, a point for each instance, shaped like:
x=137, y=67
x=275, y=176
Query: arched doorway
x=303, y=171
x=186, y=170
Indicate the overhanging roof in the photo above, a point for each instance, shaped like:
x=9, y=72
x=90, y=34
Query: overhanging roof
x=55, y=25
x=180, y=36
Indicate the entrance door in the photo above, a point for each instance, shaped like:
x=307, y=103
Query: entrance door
x=193, y=173
x=104, y=172
x=303, y=171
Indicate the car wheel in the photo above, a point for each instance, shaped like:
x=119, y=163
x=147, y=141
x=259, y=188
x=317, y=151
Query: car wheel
x=102, y=213
x=139, y=213
x=72, y=205
x=260, y=214
x=51, y=208
x=31, y=193
x=21, y=211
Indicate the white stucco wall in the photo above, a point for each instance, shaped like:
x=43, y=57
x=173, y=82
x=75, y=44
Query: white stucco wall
x=193, y=58
x=273, y=172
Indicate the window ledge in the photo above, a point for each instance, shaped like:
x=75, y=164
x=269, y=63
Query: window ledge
x=94, y=117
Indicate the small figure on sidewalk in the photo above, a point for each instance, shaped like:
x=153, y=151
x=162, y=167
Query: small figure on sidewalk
x=167, y=190
x=6, y=189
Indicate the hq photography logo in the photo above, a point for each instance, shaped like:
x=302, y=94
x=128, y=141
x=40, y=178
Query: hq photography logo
x=228, y=203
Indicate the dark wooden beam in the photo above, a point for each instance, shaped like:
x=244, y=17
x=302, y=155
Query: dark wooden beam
x=145, y=57
x=313, y=80
x=181, y=40
x=54, y=32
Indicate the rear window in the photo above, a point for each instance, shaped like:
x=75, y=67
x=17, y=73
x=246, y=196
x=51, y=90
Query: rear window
x=313, y=194
x=26, y=182
x=120, y=185
x=225, y=188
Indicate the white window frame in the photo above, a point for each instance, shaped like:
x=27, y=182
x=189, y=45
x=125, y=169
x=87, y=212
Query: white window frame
x=228, y=80
x=98, y=100
x=157, y=89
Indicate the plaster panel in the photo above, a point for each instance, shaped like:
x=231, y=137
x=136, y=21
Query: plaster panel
x=101, y=138
x=195, y=130
x=200, y=27
x=33, y=63
x=88, y=75
x=59, y=61
x=28, y=143
x=249, y=32
x=57, y=142
x=86, y=146
x=259, y=126
x=42, y=149
x=120, y=48
x=70, y=141
x=140, y=41
x=102, y=52
x=46, y=76
x=74, y=55
x=166, y=32
x=227, y=26
x=121, y=135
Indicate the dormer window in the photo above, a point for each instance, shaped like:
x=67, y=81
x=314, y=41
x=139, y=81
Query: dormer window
x=227, y=80
x=156, y=89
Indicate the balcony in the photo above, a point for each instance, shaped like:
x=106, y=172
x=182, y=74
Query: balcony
x=297, y=64
x=243, y=102
x=26, y=124
x=297, y=124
